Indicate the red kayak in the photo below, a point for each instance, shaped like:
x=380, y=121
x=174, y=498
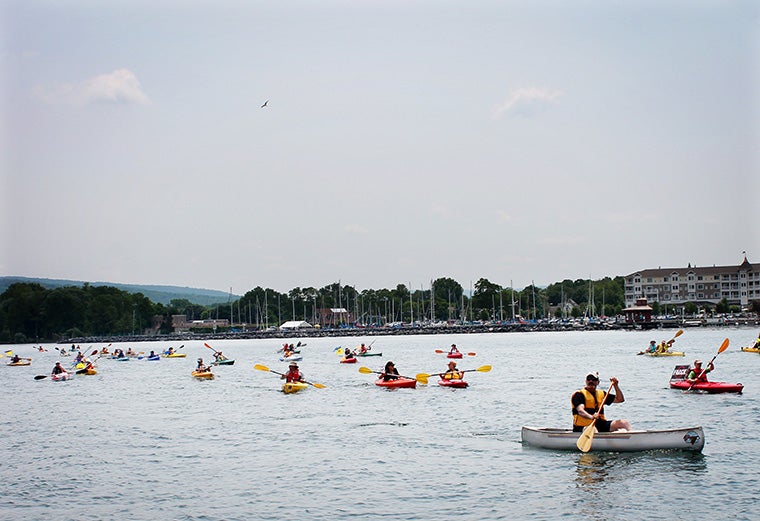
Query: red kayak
x=455, y=383
x=454, y=355
x=399, y=383
x=707, y=387
x=345, y=360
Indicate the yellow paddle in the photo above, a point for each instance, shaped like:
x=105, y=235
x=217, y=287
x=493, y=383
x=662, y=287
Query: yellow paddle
x=669, y=342
x=722, y=348
x=260, y=367
x=423, y=377
x=587, y=436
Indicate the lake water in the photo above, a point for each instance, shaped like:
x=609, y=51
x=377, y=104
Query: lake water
x=144, y=440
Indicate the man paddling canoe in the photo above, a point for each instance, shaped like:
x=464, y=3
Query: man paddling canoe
x=588, y=407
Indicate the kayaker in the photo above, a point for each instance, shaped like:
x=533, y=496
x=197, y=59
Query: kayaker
x=15, y=359
x=697, y=374
x=652, y=347
x=201, y=368
x=390, y=372
x=664, y=346
x=363, y=349
x=586, y=406
x=452, y=373
x=58, y=369
x=130, y=352
x=170, y=351
x=757, y=342
x=218, y=356
x=349, y=354
x=293, y=374
x=453, y=349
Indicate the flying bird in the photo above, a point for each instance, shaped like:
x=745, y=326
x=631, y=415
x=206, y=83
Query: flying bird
x=265, y=104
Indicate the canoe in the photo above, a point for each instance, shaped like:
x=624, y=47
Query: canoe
x=667, y=353
x=707, y=387
x=20, y=362
x=751, y=349
x=691, y=439
x=174, y=355
x=296, y=358
x=293, y=387
x=345, y=360
x=399, y=383
x=454, y=355
x=369, y=354
x=61, y=377
x=455, y=383
x=224, y=362
x=203, y=375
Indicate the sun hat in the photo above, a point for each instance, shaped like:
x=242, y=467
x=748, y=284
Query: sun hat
x=592, y=375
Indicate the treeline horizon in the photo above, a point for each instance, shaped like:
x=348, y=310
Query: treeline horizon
x=30, y=312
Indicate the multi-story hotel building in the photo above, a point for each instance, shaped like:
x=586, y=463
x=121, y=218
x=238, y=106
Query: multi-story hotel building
x=701, y=285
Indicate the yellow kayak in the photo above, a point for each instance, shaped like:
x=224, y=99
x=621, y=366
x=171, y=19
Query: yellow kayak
x=751, y=349
x=20, y=362
x=203, y=375
x=175, y=355
x=293, y=387
x=667, y=353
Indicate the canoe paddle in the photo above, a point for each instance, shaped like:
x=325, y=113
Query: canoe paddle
x=367, y=370
x=260, y=367
x=441, y=351
x=722, y=348
x=669, y=342
x=423, y=377
x=587, y=436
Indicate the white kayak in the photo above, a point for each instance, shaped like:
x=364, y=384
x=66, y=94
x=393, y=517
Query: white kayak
x=291, y=358
x=692, y=438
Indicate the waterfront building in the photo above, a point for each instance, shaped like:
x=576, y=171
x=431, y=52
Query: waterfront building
x=739, y=285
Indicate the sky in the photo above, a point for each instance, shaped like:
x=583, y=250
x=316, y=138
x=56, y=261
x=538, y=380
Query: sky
x=402, y=141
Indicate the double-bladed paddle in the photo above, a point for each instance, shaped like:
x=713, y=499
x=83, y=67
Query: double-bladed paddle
x=423, y=377
x=260, y=367
x=367, y=370
x=441, y=351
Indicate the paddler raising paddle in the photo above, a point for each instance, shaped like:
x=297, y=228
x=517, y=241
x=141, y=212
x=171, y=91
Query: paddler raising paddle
x=588, y=406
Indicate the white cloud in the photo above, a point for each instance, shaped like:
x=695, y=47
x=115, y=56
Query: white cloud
x=526, y=100
x=119, y=86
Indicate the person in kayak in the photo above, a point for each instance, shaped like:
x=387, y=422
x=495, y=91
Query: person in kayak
x=664, y=346
x=390, y=372
x=587, y=406
x=170, y=351
x=452, y=373
x=363, y=349
x=219, y=357
x=57, y=369
x=697, y=374
x=130, y=352
x=201, y=368
x=293, y=374
x=453, y=349
x=348, y=354
x=757, y=342
x=15, y=359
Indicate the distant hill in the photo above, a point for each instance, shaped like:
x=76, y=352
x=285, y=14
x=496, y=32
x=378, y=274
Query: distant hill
x=158, y=294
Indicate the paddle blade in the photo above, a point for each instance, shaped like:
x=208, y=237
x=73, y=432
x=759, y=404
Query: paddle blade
x=320, y=386
x=471, y=354
x=439, y=351
x=586, y=438
x=678, y=333
x=422, y=378
x=723, y=346
x=260, y=367
x=484, y=368
x=40, y=376
x=365, y=370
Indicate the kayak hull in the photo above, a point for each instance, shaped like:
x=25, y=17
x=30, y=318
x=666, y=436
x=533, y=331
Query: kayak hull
x=297, y=358
x=688, y=439
x=399, y=383
x=667, y=353
x=345, y=360
x=369, y=354
x=454, y=383
x=175, y=355
x=203, y=375
x=20, y=363
x=224, y=362
x=293, y=387
x=454, y=355
x=61, y=377
x=708, y=387
x=751, y=349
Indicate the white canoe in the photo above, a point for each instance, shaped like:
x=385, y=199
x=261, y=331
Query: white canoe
x=692, y=438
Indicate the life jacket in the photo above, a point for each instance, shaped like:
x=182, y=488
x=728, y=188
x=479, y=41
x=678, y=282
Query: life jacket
x=591, y=405
x=699, y=376
x=452, y=375
x=293, y=376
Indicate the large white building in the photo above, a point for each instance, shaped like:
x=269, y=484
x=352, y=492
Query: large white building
x=701, y=285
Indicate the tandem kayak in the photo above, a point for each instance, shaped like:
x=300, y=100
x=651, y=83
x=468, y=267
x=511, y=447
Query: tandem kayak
x=667, y=353
x=452, y=382
x=345, y=360
x=203, y=375
x=690, y=439
x=454, y=355
x=293, y=387
x=751, y=349
x=707, y=387
x=399, y=383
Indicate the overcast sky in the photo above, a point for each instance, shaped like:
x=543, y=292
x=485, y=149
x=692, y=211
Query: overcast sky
x=402, y=141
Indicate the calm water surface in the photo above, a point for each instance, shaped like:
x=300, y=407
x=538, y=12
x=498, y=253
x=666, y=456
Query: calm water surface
x=144, y=440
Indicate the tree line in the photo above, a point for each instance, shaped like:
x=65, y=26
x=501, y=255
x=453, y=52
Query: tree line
x=31, y=313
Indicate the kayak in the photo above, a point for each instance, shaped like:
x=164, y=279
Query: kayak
x=61, y=377
x=453, y=382
x=122, y=359
x=369, y=354
x=174, y=355
x=296, y=358
x=293, y=387
x=345, y=360
x=454, y=355
x=87, y=371
x=707, y=387
x=154, y=358
x=691, y=439
x=224, y=362
x=751, y=349
x=203, y=375
x=20, y=362
x=399, y=383
x=667, y=353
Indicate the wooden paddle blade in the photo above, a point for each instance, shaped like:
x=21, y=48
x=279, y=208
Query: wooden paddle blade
x=365, y=370
x=484, y=368
x=678, y=333
x=586, y=438
x=260, y=367
x=723, y=346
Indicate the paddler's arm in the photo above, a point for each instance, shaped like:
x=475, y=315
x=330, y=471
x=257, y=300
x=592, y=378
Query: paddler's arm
x=619, y=398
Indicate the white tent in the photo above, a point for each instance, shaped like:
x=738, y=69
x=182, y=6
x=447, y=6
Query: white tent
x=296, y=324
